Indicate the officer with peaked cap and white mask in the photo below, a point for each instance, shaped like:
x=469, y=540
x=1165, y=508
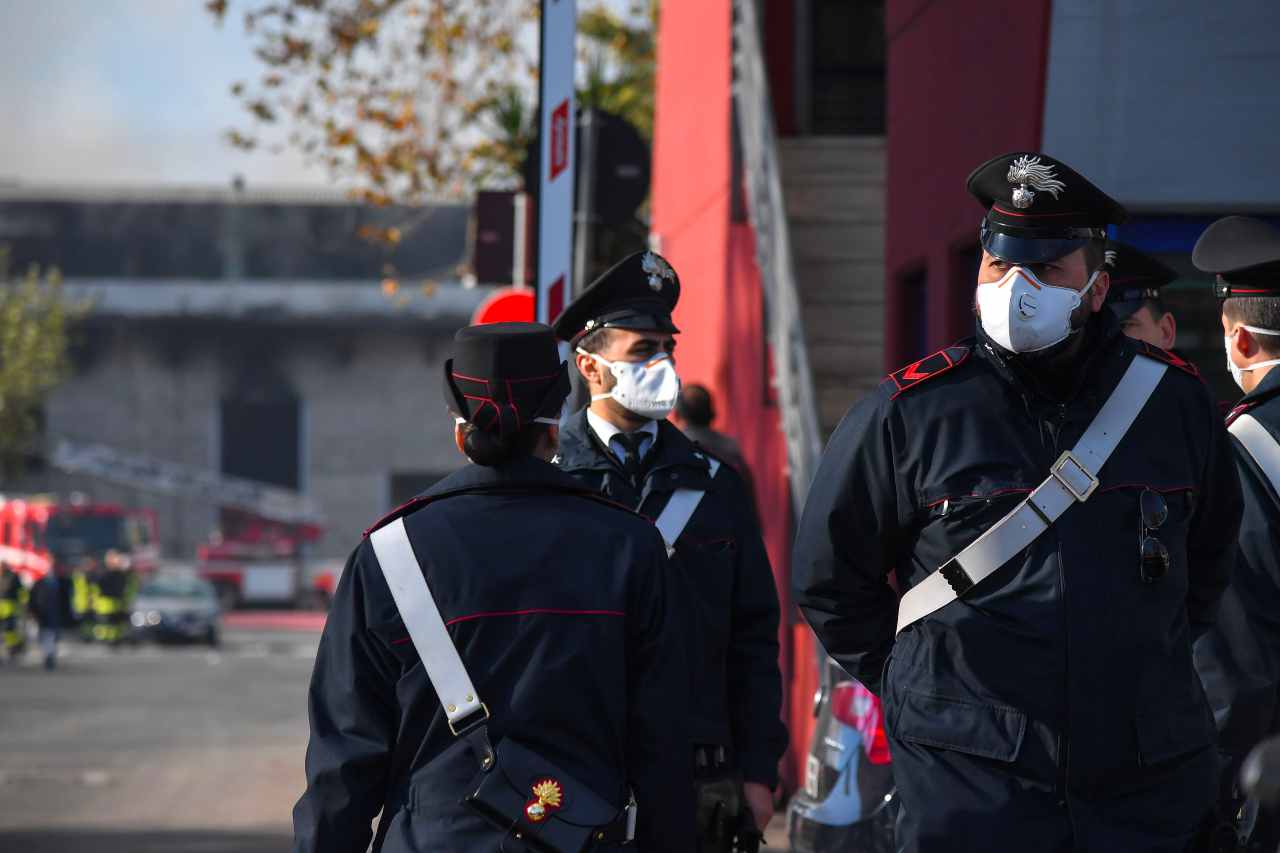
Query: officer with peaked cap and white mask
x=1059, y=504
x=1239, y=660
x=622, y=445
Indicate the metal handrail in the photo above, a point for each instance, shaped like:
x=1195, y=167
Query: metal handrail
x=767, y=212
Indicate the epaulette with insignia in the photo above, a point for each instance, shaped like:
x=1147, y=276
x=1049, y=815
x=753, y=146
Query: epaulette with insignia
x=1168, y=357
x=927, y=368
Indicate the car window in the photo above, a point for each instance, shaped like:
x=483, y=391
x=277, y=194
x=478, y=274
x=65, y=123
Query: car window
x=193, y=588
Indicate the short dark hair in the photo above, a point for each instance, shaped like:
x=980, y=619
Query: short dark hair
x=1156, y=306
x=596, y=340
x=1260, y=311
x=695, y=406
x=1095, y=254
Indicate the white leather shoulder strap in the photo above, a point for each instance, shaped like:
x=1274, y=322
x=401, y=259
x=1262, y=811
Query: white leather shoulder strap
x=675, y=516
x=1072, y=479
x=422, y=620
x=1260, y=445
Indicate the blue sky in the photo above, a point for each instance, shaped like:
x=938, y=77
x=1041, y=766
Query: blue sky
x=130, y=92
x=126, y=92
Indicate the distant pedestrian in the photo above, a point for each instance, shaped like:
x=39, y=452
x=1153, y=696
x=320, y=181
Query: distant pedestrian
x=694, y=414
x=51, y=606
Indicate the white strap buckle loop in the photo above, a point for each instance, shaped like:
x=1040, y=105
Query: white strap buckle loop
x=472, y=720
x=1074, y=477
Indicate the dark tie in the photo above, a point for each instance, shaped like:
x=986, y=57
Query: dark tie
x=631, y=443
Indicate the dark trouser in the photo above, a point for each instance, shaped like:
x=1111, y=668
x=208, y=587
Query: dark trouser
x=953, y=802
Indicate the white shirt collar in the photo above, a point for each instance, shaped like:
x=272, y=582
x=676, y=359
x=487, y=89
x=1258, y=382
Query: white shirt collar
x=605, y=431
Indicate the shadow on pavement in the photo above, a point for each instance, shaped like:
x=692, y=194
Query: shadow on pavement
x=143, y=841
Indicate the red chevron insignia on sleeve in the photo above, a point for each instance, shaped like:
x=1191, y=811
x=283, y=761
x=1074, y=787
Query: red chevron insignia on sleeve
x=1169, y=357
x=927, y=368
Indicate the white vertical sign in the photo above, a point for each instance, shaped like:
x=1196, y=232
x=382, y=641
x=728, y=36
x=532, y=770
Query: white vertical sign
x=555, y=177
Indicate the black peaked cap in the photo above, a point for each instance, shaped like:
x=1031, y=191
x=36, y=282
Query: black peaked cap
x=1039, y=208
x=1135, y=277
x=1244, y=253
x=638, y=292
x=503, y=375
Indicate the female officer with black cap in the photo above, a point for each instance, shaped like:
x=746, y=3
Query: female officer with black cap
x=1059, y=503
x=501, y=668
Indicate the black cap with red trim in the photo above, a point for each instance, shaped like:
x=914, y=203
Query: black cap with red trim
x=1135, y=278
x=1244, y=253
x=1039, y=208
x=638, y=292
x=504, y=375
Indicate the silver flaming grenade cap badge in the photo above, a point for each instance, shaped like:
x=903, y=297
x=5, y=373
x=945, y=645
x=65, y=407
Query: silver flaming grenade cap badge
x=1030, y=174
x=658, y=269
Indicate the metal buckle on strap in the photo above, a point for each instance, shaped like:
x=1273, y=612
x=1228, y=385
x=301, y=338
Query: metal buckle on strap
x=955, y=575
x=472, y=720
x=1076, y=479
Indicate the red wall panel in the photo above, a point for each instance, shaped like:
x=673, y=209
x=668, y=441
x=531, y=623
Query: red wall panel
x=723, y=343
x=966, y=81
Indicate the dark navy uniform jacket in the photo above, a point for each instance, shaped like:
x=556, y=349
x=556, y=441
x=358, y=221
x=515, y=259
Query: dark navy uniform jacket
x=1063, y=653
x=562, y=609
x=1239, y=660
x=737, y=685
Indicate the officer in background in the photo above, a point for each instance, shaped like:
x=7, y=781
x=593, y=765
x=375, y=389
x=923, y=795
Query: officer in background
x=566, y=615
x=624, y=339
x=13, y=607
x=1134, y=295
x=1059, y=504
x=694, y=413
x=1239, y=660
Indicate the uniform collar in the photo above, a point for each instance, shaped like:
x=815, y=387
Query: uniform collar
x=525, y=471
x=605, y=431
x=1267, y=388
x=1101, y=333
x=581, y=449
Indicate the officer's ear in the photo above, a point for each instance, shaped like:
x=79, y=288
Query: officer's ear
x=1097, y=294
x=590, y=369
x=460, y=437
x=1168, y=330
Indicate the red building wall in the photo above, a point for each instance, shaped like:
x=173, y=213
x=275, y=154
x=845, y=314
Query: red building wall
x=966, y=81
x=723, y=343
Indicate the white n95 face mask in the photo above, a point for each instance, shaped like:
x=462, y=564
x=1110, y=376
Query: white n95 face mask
x=1023, y=314
x=1237, y=373
x=648, y=389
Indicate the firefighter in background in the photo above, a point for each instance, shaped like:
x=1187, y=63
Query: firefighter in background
x=13, y=612
x=112, y=594
x=82, y=577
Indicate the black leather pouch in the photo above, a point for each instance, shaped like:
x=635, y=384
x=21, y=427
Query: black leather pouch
x=526, y=794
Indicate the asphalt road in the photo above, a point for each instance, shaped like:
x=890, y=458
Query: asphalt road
x=159, y=749
x=156, y=749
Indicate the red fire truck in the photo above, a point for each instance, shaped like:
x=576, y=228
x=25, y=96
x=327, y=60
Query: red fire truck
x=32, y=527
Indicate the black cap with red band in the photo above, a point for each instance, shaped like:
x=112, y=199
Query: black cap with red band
x=1135, y=278
x=638, y=292
x=504, y=375
x=1244, y=253
x=1039, y=208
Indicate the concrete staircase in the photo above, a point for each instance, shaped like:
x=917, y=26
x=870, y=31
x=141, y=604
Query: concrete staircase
x=834, y=190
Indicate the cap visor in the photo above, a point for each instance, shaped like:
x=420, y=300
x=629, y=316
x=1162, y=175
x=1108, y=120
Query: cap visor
x=1125, y=310
x=1028, y=250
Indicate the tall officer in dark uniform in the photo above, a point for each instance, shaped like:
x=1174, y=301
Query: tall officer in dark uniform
x=1059, y=504
x=565, y=613
x=622, y=446
x=1134, y=295
x=1239, y=660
